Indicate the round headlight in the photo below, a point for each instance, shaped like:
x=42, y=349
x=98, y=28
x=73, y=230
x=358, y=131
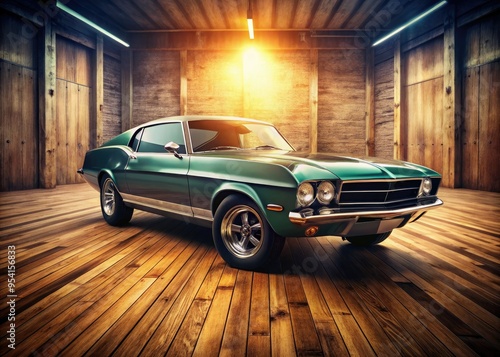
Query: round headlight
x=326, y=192
x=305, y=194
x=426, y=186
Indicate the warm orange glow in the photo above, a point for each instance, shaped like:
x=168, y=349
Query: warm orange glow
x=261, y=79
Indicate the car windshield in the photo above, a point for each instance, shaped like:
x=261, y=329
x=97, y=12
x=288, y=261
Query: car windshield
x=208, y=135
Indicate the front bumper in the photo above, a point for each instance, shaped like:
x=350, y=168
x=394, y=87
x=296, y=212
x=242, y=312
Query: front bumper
x=385, y=220
x=299, y=218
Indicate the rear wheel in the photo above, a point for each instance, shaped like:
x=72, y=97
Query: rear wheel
x=113, y=209
x=367, y=240
x=242, y=235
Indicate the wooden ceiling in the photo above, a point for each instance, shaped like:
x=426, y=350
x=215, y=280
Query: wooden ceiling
x=188, y=15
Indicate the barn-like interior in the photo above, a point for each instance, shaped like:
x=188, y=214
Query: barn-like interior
x=428, y=94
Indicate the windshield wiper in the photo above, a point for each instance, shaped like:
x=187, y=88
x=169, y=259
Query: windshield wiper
x=267, y=147
x=225, y=147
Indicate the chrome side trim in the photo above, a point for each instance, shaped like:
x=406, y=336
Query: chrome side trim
x=298, y=218
x=164, y=206
x=203, y=214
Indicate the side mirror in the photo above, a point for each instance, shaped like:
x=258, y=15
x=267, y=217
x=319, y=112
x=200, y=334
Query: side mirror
x=172, y=148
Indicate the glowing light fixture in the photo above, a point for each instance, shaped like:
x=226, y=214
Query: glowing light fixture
x=409, y=23
x=250, y=20
x=90, y=23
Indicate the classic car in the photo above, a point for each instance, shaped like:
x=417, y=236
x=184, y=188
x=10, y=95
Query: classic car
x=241, y=177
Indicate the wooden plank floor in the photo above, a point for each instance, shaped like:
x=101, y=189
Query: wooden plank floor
x=158, y=287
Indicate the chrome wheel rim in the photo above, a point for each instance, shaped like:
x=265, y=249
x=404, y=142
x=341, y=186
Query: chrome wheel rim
x=108, y=198
x=242, y=231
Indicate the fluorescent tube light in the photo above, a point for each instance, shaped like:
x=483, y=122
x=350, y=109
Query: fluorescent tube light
x=90, y=23
x=250, y=28
x=409, y=23
x=250, y=20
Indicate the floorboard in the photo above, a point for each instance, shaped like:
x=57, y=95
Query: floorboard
x=158, y=287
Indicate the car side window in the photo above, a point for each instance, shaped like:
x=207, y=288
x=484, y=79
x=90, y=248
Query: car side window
x=155, y=137
x=134, y=143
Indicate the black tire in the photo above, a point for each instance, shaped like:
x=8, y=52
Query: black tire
x=372, y=239
x=242, y=235
x=113, y=209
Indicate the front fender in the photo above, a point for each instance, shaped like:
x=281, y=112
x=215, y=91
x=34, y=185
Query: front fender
x=263, y=196
x=229, y=188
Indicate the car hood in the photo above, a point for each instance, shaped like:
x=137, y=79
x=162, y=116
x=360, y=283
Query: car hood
x=328, y=166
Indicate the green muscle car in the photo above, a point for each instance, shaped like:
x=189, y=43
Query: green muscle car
x=241, y=177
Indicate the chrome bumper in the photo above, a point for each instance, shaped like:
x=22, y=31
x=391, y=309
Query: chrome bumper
x=319, y=219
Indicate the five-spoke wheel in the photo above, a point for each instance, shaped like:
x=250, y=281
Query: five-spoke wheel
x=113, y=209
x=242, y=235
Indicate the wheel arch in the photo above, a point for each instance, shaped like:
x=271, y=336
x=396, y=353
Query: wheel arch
x=229, y=189
x=104, y=172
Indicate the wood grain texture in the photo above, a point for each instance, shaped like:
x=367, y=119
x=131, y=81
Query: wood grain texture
x=111, y=111
x=341, y=102
x=156, y=83
x=480, y=134
x=157, y=286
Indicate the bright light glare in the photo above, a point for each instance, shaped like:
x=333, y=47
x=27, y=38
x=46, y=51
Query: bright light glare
x=409, y=23
x=250, y=28
x=250, y=56
x=91, y=24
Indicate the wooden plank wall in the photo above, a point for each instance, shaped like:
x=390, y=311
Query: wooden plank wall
x=214, y=83
x=156, y=84
x=111, y=117
x=481, y=105
x=73, y=91
x=341, y=101
x=384, y=100
x=18, y=110
x=422, y=109
x=271, y=85
x=276, y=89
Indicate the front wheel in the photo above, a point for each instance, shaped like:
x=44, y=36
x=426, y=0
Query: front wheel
x=368, y=240
x=113, y=209
x=242, y=235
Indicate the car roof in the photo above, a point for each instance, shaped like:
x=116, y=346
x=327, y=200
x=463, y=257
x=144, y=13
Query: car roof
x=187, y=118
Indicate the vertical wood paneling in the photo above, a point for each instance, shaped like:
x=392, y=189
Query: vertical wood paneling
x=399, y=146
x=61, y=129
x=489, y=130
x=384, y=109
x=74, y=98
x=97, y=97
x=16, y=46
x=422, y=104
x=29, y=138
x=156, y=83
x=83, y=130
x=480, y=139
x=47, y=107
x=127, y=88
x=451, y=102
x=370, y=103
x=341, y=98
x=112, y=105
x=184, y=82
x=18, y=109
x=313, y=101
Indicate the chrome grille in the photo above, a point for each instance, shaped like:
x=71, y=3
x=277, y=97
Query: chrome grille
x=379, y=192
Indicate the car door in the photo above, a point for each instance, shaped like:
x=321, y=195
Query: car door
x=157, y=178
